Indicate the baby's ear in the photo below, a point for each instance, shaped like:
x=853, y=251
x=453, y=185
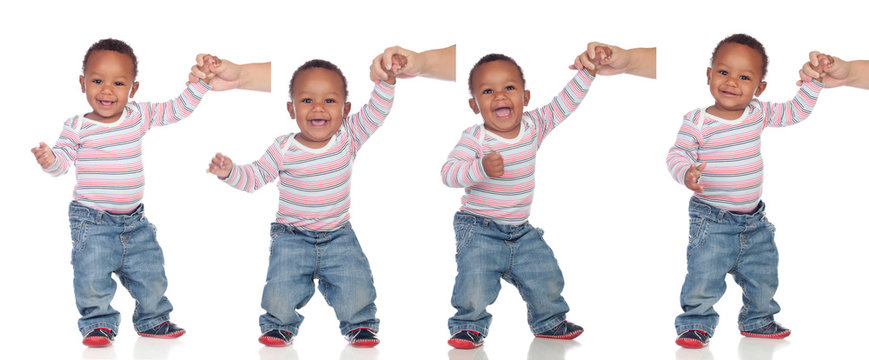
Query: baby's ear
x=473, y=103
x=527, y=96
x=760, y=88
x=346, y=109
x=134, y=88
x=291, y=109
x=81, y=81
x=708, y=76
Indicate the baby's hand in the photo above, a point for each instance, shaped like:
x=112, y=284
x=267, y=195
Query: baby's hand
x=822, y=67
x=398, y=63
x=825, y=63
x=608, y=59
x=205, y=67
x=408, y=63
x=692, y=176
x=493, y=164
x=221, y=166
x=44, y=156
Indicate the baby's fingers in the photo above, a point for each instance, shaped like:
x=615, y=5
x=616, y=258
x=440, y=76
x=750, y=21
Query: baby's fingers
x=582, y=61
x=591, y=48
x=398, y=63
x=813, y=57
x=603, y=54
x=196, y=73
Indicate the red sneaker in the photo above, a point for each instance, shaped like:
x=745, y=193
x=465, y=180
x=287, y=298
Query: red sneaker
x=166, y=330
x=466, y=339
x=99, y=337
x=362, y=337
x=276, y=338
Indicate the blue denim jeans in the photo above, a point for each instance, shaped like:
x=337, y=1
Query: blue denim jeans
x=336, y=259
x=105, y=243
x=487, y=252
x=721, y=243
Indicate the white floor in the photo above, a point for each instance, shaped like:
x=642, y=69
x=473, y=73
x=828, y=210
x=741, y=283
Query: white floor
x=193, y=346
x=509, y=338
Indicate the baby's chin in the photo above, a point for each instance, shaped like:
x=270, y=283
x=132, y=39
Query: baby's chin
x=501, y=123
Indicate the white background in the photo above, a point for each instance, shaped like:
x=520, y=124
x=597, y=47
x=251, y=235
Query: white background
x=612, y=214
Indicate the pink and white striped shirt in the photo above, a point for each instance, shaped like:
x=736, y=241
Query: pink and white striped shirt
x=315, y=183
x=507, y=199
x=108, y=157
x=733, y=177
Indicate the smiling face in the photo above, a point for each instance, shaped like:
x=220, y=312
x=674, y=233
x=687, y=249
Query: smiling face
x=734, y=79
x=108, y=82
x=318, y=106
x=499, y=95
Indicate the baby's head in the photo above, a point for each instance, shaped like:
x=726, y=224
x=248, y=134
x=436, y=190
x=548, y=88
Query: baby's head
x=498, y=93
x=318, y=91
x=736, y=74
x=108, y=78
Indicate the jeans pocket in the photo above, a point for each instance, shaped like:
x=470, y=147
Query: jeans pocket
x=696, y=233
x=463, y=236
x=275, y=233
x=769, y=224
x=153, y=229
x=78, y=232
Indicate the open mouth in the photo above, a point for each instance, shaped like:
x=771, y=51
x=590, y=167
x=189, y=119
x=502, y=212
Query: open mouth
x=503, y=112
x=728, y=93
x=318, y=122
x=105, y=103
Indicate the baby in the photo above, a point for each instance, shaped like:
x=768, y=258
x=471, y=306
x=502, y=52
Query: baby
x=312, y=237
x=717, y=155
x=495, y=162
x=110, y=232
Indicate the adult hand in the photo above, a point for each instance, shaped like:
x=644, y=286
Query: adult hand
x=224, y=74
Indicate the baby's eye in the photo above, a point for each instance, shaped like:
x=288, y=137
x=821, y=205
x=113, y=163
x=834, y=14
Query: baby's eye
x=511, y=87
x=722, y=72
x=97, y=82
x=307, y=101
x=487, y=91
x=743, y=77
x=330, y=101
x=118, y=83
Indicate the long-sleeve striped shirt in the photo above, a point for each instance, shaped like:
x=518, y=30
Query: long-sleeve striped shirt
x=507, y=199
x=733, y=177
x=108, y=157
x=315, y=183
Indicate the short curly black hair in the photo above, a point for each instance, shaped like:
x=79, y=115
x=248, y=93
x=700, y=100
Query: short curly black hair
x=490, y=58
x=746, y=40
x=113, y=45
x=318, y=63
